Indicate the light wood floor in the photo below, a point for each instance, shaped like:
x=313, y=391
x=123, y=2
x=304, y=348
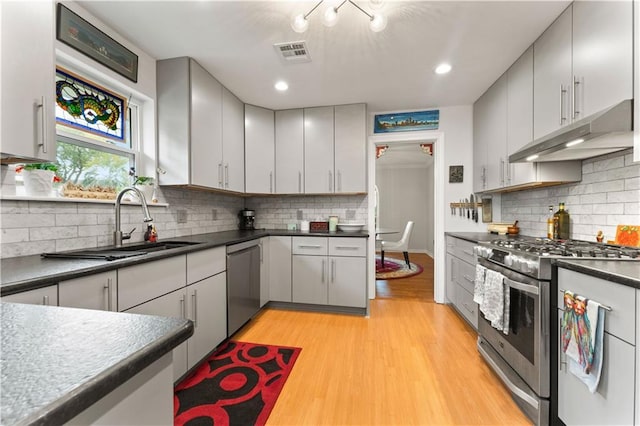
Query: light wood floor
x=413, y=362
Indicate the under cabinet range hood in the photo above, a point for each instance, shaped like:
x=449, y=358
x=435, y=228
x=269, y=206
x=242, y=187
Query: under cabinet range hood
x=601, y=133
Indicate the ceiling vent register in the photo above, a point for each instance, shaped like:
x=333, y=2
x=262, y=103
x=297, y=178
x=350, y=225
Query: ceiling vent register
x=293, y=51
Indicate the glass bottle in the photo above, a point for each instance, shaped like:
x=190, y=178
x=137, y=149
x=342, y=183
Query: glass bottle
x=563, y=223
x=550, y=224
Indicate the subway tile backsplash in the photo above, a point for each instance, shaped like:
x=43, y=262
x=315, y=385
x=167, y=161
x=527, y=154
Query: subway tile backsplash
x=607, y=196
x=33, y=227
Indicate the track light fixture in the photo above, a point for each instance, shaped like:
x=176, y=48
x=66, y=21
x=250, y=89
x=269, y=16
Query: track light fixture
x=377, y=21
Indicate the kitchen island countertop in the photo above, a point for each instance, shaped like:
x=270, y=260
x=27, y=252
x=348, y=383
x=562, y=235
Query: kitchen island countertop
x=621, y=271
x=57, y=362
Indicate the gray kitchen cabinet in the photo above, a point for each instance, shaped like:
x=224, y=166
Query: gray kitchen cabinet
x=613, y=402
x=280, y=269
x=207, y=308
x=97, y=291
x=481, y=137
x=347, y=281
x=496, y=123
x=319, y=150
x=27, y=127
x=350, y=148
x=41, y=296
x=310, y=279
x=232, y=142
x=265, y=270
x=173, y=305
x=461, y=265
x=552, y=76
x=289, y=151
x=259, y=150
x=194, y=148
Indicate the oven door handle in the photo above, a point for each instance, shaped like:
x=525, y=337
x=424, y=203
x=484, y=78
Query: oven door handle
x=527, y=288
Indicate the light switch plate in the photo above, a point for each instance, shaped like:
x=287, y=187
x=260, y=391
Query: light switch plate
x=182, y=216
x=299, y=215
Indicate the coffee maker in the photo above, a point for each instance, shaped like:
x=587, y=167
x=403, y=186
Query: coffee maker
x=247, y=219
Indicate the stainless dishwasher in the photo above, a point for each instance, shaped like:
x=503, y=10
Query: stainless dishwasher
x=243, y=284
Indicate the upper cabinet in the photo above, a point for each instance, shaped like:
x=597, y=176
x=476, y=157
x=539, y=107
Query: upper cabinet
x=27, y=85
x=194, y=148
x=259, y=150
x=583, y=63
x=350, y=148
x=290, y=151
x=318, y=150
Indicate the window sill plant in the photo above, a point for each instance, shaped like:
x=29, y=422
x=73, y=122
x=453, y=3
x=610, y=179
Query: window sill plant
x=39, y=178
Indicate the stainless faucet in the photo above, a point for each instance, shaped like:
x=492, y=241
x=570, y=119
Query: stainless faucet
x=118, y=236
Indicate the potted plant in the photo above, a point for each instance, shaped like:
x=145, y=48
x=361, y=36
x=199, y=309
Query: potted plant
x=38, y=178
x=146, y=185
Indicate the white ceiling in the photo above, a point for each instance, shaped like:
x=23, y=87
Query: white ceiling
x=390, y=71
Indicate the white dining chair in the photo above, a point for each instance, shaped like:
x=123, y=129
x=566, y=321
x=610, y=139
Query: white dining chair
x=401, y=245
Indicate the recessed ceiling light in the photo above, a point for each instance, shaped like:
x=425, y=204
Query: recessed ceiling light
x=281, y=86
x=443, y=68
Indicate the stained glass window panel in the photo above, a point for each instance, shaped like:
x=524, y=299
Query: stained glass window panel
x=96, y=111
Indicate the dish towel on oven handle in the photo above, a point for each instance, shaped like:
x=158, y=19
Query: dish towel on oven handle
x=582, y=337
x=495, y=301
x=478, y=284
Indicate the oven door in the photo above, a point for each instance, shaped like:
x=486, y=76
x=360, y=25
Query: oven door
x=526, y=347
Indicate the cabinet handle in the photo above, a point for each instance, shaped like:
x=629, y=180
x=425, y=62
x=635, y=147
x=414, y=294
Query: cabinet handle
x=43, y=123
x=330, y=181
x=339, y=181
x=309, y=246
x=271, y=182
x=108, y=299
x=333, y=270
x=574, y=102
x=194, y=300
x=470, y=309
x=468, y=278
x=502, y=171
x=45, y=300
x=563, y=91
x=220, y=175
x=346, y=248
x=226, y=175
x=470, y=253
x=182, y=314
x=323, y=268
x=300, y=182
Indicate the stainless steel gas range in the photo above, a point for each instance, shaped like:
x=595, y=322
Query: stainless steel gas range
x=522, y=357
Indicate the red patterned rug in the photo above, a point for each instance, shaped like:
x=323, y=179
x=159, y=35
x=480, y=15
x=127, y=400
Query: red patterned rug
x=237, y=385
x=395, y=268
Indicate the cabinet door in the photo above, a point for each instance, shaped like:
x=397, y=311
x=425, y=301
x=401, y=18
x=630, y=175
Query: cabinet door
x=47, y=296
x=280, y=269
x=318, y=150
x=613, y=402
x=96, y=291
x=552, y=76
x=232, y=141
x=350, y=148
x=207, y=301
x=520, y=117
x=289, y=151
x=28, y=75
x=310, y=279
x=480, y=142
x=265, y=269
x=259, y=150
x=497, y=133
x=170, y=305
x=348, y=281
x=450, y=291
x=206, y=128
x=602, y=55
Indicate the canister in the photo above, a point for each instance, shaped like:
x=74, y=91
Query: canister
x=304, y=225
x=333, y=223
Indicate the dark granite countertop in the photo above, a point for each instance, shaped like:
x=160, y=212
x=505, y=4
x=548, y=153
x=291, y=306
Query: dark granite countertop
x=31, y=272
x=621, y=271
x=56, y=362
x=476, y=237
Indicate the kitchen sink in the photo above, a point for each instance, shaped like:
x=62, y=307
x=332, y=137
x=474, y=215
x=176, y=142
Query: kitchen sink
x=114, y=253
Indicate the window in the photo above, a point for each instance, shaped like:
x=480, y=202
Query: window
x=96, y=133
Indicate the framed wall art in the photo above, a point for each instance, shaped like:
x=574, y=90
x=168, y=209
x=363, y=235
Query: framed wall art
x=456, y=173
x=76, y=32
x=407, y=121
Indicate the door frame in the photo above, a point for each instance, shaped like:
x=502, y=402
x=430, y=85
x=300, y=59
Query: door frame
x=437, y=138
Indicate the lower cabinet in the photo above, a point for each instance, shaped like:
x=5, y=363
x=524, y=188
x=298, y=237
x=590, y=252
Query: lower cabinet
x=460, y=278
x=98, y=291
x=265, y=255
x=310, y=279
x=41, y=296
x=280, y=269
x=207, y=308
x=347, y=281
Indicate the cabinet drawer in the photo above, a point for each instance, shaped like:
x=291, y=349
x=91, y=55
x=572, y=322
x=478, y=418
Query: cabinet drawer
x=466, y=275
x=310, y=245
x=467, y=306
x=352, y=247
x=205, y=263
x=451, y=244
x=47, y=296
x=621, y=320
x=140, y=283
x=464, y=250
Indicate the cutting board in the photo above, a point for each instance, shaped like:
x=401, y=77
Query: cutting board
x=628, y=235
